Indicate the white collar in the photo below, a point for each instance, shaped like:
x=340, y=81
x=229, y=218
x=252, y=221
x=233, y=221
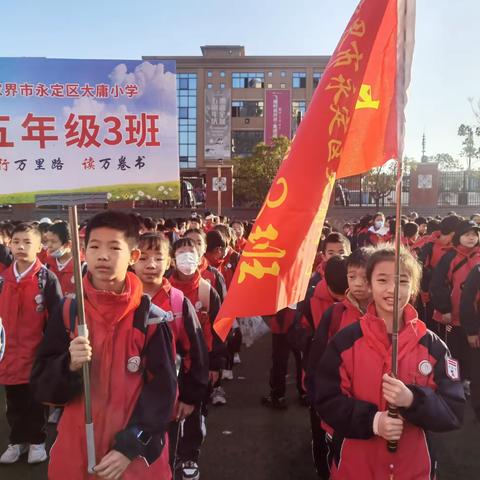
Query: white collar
x=60, y=265
x=19, y=276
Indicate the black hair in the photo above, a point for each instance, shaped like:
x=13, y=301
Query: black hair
x=149, y=223
x=122, y=222
x=6, y=229
x=449, y=224
x=433, y=226
x=183, y=242
x=336, y=237
x=393, y=225
x=215, y=239
x=359, y=257
x=27, y=228
x=62, y=231
x=154, y=241
x=170, y=223
x=336, y=274
x=410, y=229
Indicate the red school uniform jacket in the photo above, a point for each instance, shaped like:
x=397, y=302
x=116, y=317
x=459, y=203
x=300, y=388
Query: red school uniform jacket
x=24, y=308
x=206, y=315
x=336, y=318
x=240, y=244
x=188, y=343
x=65, y=274
x=133, y=383
x=449, y=277
x=214, y=277
x=6, y=258
x=347, y=393
x=226, y=265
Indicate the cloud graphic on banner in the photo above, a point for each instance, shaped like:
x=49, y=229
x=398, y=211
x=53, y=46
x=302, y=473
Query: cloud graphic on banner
x=153, y=82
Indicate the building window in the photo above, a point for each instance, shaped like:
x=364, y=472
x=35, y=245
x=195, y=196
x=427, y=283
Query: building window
x=316, y=79
x=244, y=141
x=187, y=119
x=269, y=85
x=209, y=74
x=248, y=80
x=247, y=108
x=299, y=80
x=283, y=85
x=209, y=85
x=222, y=86
x=299, y=107
x=222, y=74
x=283, y=74
x=270, y=74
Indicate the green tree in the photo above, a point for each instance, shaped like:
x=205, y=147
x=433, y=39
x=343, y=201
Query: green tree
x=446, y=162
x=380, y=181
x=469, y=149
x=254, y=175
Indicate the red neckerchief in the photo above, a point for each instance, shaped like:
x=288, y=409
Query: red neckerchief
x=467, y=251
x=113, y=339
x=240, y=244
x=217, y=263
x=203, y=265
x=376, y=335
x=188, y=287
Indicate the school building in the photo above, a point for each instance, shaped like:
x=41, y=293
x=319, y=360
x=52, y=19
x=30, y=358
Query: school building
x=229, y=101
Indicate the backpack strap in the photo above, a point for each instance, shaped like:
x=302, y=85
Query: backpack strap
x=69, y=311
x=204, y=294
x=459, y=265
x=176, y=300
x=337, y=314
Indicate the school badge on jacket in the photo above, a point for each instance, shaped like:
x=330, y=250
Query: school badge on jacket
x=452, y=368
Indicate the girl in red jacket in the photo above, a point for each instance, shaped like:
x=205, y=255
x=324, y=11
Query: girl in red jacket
x=353, y=386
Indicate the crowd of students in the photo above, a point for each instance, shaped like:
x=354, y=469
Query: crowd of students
x=152, y=290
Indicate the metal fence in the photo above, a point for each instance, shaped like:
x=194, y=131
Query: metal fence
x=459, y=188
x=455, y=189
x=359, y=192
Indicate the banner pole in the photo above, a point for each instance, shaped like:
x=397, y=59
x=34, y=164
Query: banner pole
x=405, y=11
x=82, y=331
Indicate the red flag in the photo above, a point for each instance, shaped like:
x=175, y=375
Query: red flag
x=275, y=266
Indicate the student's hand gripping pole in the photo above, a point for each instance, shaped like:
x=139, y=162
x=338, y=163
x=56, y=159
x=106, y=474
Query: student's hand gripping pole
x=82, y=331
x=392, y=445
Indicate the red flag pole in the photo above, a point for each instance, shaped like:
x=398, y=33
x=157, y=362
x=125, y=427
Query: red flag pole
x=406, y=12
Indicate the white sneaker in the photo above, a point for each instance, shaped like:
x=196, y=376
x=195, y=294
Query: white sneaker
x=236, y=359
x=13, y=453
x=218, y=396
x=37, y=453
x=227, y=374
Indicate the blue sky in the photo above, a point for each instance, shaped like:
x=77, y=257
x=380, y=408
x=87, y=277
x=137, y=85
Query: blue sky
x=446, y=70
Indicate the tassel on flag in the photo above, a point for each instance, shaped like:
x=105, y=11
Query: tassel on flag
x=351, y=126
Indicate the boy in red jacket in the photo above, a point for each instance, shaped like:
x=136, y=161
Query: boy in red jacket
x=337, y=317
x=59, y=248
x=28, y=293
x=133, y=377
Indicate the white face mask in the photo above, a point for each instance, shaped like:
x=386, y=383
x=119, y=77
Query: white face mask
x=378, y=224
x=60, y=252
x=187, y=262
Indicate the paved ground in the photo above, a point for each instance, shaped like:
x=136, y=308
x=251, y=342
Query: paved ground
x=248, y=442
